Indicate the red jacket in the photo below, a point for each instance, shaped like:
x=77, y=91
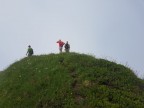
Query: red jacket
x=61, y=43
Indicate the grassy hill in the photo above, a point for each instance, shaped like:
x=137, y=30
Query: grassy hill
x=69, y=80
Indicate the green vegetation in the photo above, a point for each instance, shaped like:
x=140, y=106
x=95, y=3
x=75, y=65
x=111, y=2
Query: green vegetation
x=69, y=80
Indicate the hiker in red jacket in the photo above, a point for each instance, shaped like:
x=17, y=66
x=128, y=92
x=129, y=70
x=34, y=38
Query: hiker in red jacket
x=61, y=43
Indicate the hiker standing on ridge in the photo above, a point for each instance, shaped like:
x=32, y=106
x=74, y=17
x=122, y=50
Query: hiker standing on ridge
x=67, y=47
x=61, y=43
x=29, y=51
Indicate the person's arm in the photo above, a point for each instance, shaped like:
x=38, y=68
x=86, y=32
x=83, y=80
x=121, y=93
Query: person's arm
x=26, y=52
x=57, y=41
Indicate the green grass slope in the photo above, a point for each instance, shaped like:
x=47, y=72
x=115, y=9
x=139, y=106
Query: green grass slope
x=69, y=80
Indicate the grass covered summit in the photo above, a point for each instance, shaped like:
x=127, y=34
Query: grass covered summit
x=69, y=80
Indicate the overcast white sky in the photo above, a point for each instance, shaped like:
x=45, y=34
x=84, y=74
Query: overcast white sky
x=112, y=29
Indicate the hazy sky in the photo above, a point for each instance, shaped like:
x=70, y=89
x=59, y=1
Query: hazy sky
x=110, y=29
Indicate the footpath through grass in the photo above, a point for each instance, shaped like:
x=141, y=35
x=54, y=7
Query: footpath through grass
x=69, y=80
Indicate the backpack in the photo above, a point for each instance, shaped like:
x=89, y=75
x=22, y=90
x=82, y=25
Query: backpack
x=67, y=46
x=31, y=51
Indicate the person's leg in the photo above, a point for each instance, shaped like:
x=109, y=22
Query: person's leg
x=29, y=55
x=68, y=50
x=60, y=49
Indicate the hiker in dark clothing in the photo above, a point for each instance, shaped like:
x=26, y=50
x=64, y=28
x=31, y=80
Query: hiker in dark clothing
x=67, y=47
x=29, y=51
